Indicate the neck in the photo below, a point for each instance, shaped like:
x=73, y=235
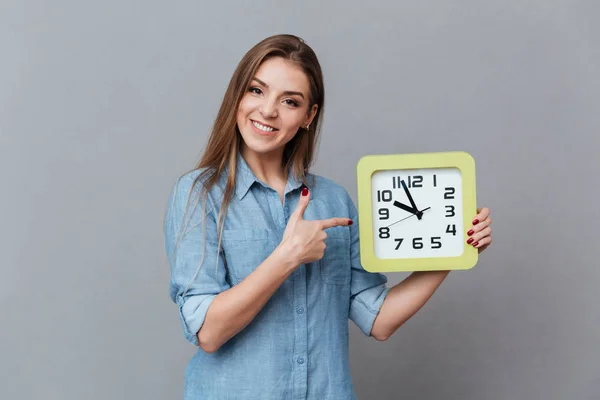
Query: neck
x=267, y=167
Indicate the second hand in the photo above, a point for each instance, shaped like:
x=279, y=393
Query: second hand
x=410, y=216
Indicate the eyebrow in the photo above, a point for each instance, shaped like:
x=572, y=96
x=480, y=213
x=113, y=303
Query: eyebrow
x=287, y=92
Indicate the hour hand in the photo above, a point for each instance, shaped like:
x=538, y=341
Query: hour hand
x=406, y=208
x=411, y=210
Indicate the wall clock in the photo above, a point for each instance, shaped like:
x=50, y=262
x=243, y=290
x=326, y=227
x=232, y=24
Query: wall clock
x=414, y=211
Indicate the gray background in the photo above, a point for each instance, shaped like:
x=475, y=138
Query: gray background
x=104, y=104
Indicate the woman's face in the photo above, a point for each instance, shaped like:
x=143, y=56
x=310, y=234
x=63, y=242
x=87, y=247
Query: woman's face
x=275, y=105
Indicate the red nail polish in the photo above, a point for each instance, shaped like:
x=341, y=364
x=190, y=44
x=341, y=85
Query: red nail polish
x=475, y=244
x=470, y=232
x=304, y=191
x=470, y=241
x=475, y=221
x=350, y=222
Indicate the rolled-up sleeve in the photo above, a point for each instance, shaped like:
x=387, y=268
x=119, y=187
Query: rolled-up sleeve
x=196, y=264
x=367, y=289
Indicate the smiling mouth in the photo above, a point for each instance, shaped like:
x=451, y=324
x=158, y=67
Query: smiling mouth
x=262, y=127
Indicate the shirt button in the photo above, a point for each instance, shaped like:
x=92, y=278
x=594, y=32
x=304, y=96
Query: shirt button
x=300, y=310
x=300, y=360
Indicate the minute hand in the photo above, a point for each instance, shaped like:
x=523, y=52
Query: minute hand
x=412, y=202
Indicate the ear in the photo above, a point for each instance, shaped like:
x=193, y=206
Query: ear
x=311, y=114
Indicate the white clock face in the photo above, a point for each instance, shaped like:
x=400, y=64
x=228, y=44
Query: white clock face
x=417, y=213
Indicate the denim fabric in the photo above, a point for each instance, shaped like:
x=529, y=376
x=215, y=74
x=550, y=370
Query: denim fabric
x=297, y=345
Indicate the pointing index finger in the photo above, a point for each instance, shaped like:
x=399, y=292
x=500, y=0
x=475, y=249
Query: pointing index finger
x=332, y=222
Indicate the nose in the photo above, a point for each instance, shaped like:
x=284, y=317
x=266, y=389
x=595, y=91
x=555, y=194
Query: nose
x=268, y=108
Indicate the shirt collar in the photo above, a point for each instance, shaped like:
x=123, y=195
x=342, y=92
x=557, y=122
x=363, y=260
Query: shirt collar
x=245, y=178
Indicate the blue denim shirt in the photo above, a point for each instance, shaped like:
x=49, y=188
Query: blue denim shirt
x=297, y=345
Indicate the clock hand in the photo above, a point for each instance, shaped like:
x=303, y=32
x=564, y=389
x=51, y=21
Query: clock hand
x=410, y=216
x=406, y=208
x=412, y=202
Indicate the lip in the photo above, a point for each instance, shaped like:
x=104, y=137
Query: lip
x=263, y=132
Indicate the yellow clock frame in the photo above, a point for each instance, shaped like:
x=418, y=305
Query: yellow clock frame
x=370, y=164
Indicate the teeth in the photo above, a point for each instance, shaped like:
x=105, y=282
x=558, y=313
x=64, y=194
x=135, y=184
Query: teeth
x=262, y=127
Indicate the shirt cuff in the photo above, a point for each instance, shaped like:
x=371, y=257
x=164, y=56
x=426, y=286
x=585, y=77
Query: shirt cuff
x=364, y=313
x=192, y=313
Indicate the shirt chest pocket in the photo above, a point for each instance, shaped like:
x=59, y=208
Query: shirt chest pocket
x=245, y=249
x=335, y=264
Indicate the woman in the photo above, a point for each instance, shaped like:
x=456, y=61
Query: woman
x=264, y=255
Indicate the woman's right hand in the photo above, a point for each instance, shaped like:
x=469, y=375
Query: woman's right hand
x=304, y=241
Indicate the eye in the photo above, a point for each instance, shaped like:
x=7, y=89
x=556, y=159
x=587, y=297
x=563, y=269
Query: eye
x=254, y=90
x=291, y=103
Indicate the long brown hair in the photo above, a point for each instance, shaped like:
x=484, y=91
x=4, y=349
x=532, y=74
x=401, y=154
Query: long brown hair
x=225, y=140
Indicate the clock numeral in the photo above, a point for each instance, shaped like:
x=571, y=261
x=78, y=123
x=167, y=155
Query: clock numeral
x=452, y=231
x=384, y=213
x=434, y=180
x=449, y=193
x=411, y=181
x=450, y=210
x=384, y=232
x=384, y=195
x=417, y=181
x=418, y=243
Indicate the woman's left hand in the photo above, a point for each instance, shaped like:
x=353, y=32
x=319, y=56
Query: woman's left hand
x=480, y=235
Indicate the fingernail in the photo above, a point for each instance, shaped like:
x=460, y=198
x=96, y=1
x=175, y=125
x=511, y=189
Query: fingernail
x=475, y=244
x=350, y=222
x=304, y=191
x=470, y=232
x=475, y=221
x=470, y=240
